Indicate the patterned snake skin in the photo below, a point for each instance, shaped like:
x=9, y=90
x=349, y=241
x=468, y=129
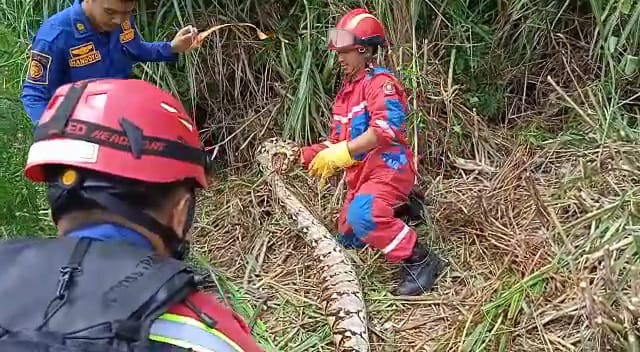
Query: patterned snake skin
x=341, y=295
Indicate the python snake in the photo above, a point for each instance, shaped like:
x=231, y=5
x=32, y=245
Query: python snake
x=341, y=295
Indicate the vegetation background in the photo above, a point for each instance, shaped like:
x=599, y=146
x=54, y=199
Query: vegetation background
x=524, y=117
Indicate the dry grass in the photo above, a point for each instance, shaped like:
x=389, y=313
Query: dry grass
x=534, y=203
x=533, y=218
x=538, y=236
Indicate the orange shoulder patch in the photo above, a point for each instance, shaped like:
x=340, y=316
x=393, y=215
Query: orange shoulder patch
x=39, y=64
x=126, y=26
x=128, y=33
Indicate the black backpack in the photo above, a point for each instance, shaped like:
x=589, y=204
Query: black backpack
x=72, y=295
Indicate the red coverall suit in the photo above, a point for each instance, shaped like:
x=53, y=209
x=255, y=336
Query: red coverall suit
x=385, y=175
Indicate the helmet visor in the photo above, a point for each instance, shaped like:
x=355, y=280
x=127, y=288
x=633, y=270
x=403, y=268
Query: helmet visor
x=340, y=39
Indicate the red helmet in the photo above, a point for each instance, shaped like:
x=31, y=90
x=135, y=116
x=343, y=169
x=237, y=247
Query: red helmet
x=357, y=28
x=114, y=129
x=122, y=127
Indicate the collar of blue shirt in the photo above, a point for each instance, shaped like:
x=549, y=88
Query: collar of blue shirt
x=81, y=24
x=112, y=232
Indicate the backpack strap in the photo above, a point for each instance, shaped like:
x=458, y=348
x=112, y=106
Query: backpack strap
x=116, y=283
x=66, y=277
x=172, y=292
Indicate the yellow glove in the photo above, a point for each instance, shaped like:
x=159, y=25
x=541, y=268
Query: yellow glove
x=329, y=160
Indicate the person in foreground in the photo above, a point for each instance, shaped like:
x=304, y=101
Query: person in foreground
x=91, y=39
x=121, y=161
x=368, y=140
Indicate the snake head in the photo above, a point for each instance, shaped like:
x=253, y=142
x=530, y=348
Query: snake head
x=281, y=153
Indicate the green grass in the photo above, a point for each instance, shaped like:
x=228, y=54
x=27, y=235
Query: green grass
x=23, y=207
x=552, y=75
x=23, y=210
x=238, y=300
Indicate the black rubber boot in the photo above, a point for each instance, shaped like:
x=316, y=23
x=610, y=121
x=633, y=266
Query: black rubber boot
x=419, y=272
x=414, y=211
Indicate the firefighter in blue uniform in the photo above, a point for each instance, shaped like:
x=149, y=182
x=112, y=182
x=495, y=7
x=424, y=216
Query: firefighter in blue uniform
x=91, y=39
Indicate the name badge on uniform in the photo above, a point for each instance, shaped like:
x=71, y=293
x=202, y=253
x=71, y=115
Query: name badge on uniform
x=128, y=33
x=83, y=55
x=39, y=68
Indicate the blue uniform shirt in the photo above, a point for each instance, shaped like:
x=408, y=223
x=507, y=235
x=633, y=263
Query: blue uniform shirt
x=112, y=232
x=67, y=49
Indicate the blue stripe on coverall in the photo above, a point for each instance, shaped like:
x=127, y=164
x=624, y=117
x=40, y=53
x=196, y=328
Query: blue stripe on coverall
x=360, y=215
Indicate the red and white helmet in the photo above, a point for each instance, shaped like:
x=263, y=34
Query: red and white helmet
x=122, y=127
x=109, y=133
x=357, y=28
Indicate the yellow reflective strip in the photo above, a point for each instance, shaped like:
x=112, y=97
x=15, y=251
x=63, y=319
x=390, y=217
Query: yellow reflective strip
x=179, y=343
x=182, y=319
x=190, y=321
x=354, y=21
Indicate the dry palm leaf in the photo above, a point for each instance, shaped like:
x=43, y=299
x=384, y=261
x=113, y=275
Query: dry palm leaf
x=203, y=35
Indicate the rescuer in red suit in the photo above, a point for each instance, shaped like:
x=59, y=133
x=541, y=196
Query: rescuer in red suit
x=368, y=141
x=121, y=160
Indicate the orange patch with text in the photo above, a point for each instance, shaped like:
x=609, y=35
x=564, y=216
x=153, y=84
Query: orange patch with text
x=83, y=55
x=128, y=33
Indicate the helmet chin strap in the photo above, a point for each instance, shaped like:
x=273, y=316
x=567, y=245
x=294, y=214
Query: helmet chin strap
x=177, y=247
x=106, y=195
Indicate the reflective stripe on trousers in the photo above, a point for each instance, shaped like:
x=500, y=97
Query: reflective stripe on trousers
x=188, y=333
x=396, y=240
